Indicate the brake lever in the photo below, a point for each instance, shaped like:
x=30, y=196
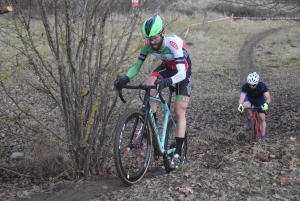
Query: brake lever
x=121, y=96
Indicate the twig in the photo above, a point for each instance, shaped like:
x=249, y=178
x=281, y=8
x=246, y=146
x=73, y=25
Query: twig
x=14, y=172
x=65, y=172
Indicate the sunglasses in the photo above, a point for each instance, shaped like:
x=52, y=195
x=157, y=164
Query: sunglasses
x=154, y=37
x=253, y=85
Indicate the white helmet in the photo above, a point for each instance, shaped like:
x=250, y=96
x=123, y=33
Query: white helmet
x=253, y=78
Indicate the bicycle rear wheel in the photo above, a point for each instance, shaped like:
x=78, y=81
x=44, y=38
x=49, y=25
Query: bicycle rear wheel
x=132, y=148
x=170, y=143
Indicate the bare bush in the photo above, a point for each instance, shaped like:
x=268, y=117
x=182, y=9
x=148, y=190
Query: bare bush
x=57, y=86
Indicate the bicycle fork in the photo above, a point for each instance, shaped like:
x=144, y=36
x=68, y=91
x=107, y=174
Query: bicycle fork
x=136, y=139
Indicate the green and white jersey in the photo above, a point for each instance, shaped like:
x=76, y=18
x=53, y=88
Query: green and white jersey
x=174, y=55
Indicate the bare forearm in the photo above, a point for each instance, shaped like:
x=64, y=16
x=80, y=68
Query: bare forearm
x=268, y=100
x=242, y=98
x=267, y=97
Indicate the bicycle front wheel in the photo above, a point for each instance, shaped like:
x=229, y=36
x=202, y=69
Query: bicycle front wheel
x=170, y=143
x=253, y=134
x=132, y=148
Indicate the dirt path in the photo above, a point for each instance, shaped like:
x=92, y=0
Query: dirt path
x=196, y=179
x=246, y=53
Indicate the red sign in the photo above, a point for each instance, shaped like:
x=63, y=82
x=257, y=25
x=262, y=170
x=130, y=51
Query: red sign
x=135, y=3
x=185, y=99
x=174, y=45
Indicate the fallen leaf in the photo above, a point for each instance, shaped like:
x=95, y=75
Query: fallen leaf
x=191, y=197
x=292, y=138
x=187, y=174
x=185, y=190
x=294, y=161
x=292, y=182
x=256, y=177
x=232, y=185
x=284, y=180
x=277, y=196
x=272, y=156
x=196, y=184
x=223, y=197
x=80, y=181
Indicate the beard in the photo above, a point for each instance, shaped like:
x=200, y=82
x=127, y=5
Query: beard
x=158, y=46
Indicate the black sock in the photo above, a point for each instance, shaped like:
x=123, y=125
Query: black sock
x=179, y=142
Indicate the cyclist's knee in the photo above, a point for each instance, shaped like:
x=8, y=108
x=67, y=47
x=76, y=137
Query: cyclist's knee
x=262, y=117
x=247, y=104
x=151, y=80
x=180, y=112
x=153, y=92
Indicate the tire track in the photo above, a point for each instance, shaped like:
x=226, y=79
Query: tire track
x=246, y=53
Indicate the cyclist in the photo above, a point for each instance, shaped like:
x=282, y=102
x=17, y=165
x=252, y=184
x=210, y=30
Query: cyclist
x=256, y=93
x=174, y=69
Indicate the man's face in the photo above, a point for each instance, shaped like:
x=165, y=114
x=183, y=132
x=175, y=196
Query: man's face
x=252, y=86
x=156, y=42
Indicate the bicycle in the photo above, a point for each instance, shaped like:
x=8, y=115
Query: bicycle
x=136, y=133
x=254, y=124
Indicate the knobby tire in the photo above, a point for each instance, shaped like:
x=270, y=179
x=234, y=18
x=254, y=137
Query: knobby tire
x=131, y=154
x=253, y=131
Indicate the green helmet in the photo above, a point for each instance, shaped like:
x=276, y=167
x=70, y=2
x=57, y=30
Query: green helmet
x=153, y=26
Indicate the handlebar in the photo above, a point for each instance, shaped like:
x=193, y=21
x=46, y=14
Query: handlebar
x=252, y=107
x=143, y=87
